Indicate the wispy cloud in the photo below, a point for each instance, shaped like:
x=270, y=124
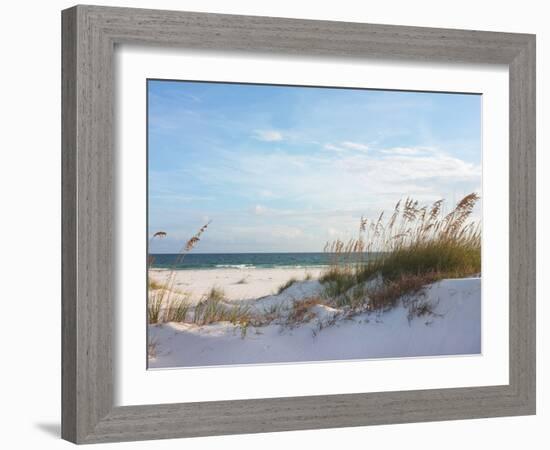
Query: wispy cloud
x=268, y=135
x=334, y=148
x=337, y=155
x=355, y=146
x=408, y=151
x=312, y=192
x=346, y=146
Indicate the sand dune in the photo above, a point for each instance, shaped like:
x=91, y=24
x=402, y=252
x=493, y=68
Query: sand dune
x=453, y=328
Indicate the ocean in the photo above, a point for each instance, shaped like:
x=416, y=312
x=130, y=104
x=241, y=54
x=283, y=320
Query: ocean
x=240, y=260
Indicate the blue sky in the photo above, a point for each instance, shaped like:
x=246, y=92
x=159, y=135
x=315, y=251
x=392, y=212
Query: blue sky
x=279, y=168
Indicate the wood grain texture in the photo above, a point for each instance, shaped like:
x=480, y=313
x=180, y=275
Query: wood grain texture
x=68, y=226
x=89, y=36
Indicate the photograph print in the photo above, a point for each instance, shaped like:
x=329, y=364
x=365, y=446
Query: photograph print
x=294, y=224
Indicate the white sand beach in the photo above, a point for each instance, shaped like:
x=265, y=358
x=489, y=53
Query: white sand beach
x=237, y=284
x=452, y=327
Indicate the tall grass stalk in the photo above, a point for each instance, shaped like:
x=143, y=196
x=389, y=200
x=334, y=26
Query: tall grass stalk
x=162, y=295
x=415, y=246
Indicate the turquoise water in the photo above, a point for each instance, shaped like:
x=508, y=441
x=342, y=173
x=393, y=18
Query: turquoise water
x=240, y=260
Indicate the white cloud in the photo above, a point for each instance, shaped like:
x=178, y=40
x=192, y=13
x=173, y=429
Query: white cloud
x=441, y=169
x=324, y=194
x=268, y=135
x=349, y=180
x=410, y=151
x=346, y=145
x=355, y=146
x=333, y=148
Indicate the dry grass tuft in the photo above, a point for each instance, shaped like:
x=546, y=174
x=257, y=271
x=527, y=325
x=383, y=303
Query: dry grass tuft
x=165, y=304
x=212, y=308
x=154, y=306
x=177, y=310
x=283, y=287
x=407, y=285
x=159, y=295
x=301, y=310
x=269, y=315
x=421, y=307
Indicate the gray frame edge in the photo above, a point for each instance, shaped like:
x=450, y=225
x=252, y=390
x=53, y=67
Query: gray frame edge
x=89, y=36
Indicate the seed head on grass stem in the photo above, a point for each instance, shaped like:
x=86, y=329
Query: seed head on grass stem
x=418, y=245
x=162, y=296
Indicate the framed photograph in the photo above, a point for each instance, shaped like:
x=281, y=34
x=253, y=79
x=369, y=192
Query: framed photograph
x=278, y=224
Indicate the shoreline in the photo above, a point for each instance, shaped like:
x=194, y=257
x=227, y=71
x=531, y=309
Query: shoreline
x=241, y=267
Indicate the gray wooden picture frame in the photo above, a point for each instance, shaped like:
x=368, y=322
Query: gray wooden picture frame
x=90, y=34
